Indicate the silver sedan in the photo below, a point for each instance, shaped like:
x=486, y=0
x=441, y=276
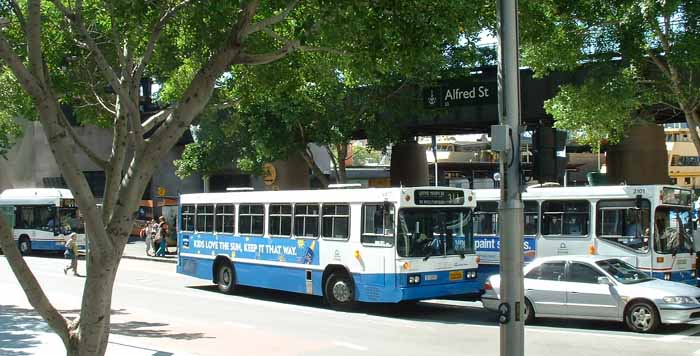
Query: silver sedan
x=604, y=288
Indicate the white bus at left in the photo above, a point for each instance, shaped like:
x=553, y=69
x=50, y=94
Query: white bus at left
x=42, y=218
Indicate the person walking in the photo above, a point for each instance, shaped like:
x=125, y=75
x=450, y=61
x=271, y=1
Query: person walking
x=162, y=236
x=149, y=232
x=72, y=254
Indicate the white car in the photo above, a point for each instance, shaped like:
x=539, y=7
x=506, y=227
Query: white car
x=603, y=288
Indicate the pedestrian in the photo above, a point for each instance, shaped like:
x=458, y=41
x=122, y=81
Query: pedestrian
x=149, y=232
x=72, y=254
x=162, y=236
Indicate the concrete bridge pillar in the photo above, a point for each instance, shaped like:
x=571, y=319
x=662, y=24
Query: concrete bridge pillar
x=409, y=166
x=641, y=158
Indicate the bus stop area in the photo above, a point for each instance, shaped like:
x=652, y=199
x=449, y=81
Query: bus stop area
x=136, y=249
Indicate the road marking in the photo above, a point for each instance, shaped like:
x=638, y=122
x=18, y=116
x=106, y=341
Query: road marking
x=349, y=345
x=239, y=325
x=681, y=335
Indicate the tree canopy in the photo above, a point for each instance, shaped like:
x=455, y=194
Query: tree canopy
x=85, y=62
x=642, y=57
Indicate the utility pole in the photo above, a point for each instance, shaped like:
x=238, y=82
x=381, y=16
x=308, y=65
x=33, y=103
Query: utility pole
x=507, y=137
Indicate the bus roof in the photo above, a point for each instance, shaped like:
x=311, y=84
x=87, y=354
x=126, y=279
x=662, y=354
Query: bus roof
x=34, y=196
x=357, y=195
x=606, y=191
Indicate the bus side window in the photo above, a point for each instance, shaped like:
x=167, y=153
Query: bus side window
x=205, y=218
x=531, y=217
x=565, y=218
x=251, y=219
x=378, y=224
x=486, y=218
x=280, y=220
x=335, y=222
x=188, y=218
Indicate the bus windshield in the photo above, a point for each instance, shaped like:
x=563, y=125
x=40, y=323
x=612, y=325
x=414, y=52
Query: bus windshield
x=673, y=232
x=426, y=232
x=70, y=221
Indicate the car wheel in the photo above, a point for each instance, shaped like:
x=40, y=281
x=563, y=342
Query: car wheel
x=528, y=313
x=225, y=278
x=642, y=317
x=25, y=246
x=339, y=291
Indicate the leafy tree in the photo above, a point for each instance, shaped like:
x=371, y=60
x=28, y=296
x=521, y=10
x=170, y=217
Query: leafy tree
x=92, y=55
x=326, y=99
x=643, y=56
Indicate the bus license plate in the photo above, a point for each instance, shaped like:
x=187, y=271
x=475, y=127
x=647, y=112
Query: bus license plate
x=456, y=275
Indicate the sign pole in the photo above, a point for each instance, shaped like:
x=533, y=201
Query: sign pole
x=511, y=207
x=434, y=147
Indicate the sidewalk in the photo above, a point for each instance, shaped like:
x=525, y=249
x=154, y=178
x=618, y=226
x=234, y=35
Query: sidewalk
x=136, y=249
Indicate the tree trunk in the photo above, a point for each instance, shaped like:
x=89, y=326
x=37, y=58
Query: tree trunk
x=309, y=158
x=342, y=168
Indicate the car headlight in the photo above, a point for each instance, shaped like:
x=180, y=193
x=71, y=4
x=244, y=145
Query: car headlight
x=680, y=300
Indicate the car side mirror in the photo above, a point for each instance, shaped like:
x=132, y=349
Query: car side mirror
x=604, y=280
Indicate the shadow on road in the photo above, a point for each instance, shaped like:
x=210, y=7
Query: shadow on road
x=21, y=329
x=442, y=311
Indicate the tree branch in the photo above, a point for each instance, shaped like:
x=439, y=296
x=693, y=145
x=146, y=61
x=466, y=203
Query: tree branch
x=255, y=59
x=102, y=163
x=75, y=21
x=36, y=61
x=115, y=34
x=264, y=24
x=32, y=289
x=20, y=18
x=155, y=35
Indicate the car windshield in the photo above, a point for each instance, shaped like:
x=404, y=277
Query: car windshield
x=623, y=272
x=673, y=233
x=425, y=232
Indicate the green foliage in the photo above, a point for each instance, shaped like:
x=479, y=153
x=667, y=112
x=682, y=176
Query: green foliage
x=628, y=44
x=600, y=109
x=362, y=156
x=365, y=81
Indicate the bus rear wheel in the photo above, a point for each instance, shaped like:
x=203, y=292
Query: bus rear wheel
x=25, y=246
x=225, y=278
x=339, y=291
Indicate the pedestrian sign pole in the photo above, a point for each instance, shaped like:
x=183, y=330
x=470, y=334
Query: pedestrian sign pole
x=507, y=136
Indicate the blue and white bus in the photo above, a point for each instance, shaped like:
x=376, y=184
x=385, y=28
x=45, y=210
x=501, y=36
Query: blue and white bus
x=347, y=245
x=43, y=218
x=650, y=226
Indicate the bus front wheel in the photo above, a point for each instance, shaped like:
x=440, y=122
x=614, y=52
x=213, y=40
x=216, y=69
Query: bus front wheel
x=225, y=278
x=339, y=291
x=25, y=246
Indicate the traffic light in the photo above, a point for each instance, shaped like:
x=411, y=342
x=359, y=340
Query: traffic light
x=549, y=156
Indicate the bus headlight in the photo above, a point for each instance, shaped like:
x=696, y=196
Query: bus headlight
x=413, y=278
x=667, y=276
x=471, y=274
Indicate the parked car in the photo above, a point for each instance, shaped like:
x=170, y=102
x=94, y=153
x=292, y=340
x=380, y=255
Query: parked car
x=597, y=287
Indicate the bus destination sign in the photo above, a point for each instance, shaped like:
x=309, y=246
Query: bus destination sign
x=439, y=197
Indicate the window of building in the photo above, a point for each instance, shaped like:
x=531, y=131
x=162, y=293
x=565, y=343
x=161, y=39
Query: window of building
x=188, y=218
x=225, y=215
x=280, y=220
x=674, y=181
x=306, y=218
x=251, y=219
x=687, y=180
x=565, y=218
x=550, y=271
x=335, y=221
x=486, y=218
x=205, y=218
x=378, y=224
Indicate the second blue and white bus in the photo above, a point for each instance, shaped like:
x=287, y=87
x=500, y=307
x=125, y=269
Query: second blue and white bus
x=347, y=245
x=650, y=226
x=42, y=218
